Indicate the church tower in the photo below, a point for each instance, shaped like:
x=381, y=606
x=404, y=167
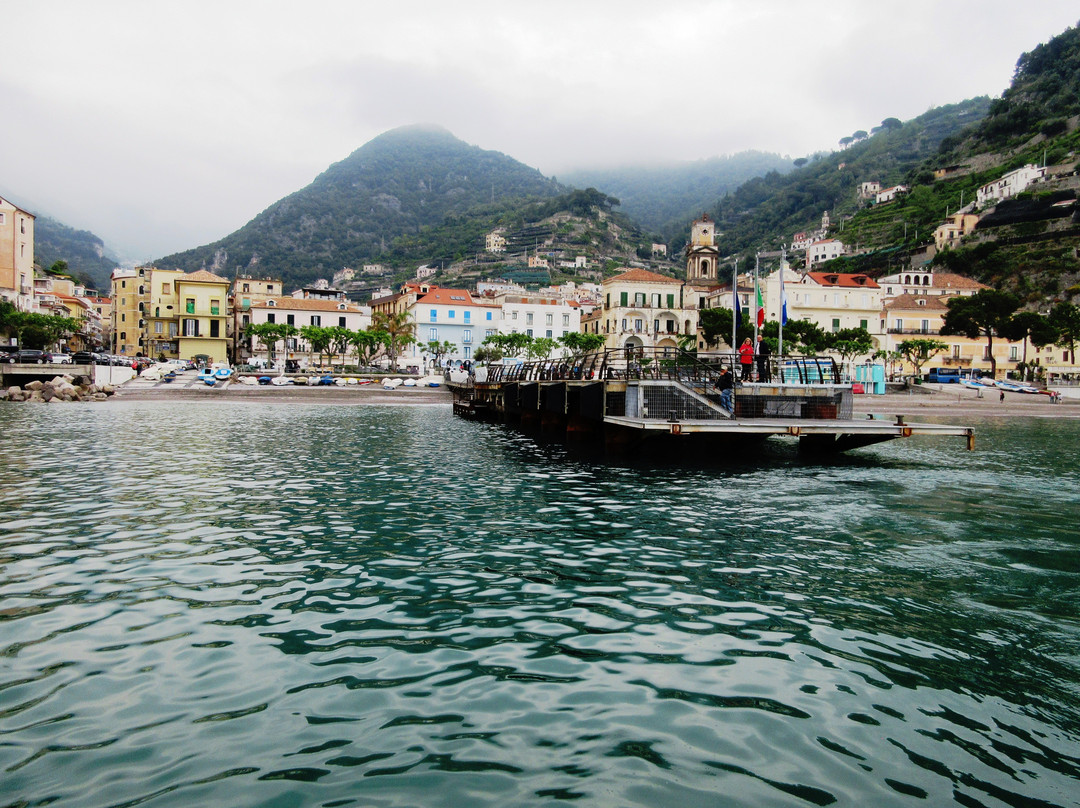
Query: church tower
x=702, y=256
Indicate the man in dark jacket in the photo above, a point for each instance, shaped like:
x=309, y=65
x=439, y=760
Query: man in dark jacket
x=725, y=384
x=763, y=372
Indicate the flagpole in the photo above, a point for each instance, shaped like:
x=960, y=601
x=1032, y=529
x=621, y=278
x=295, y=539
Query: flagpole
x=783, y=303
x=757, y=294
x=735, y=306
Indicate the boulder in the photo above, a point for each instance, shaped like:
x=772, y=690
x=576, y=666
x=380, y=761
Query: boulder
x=35, y=385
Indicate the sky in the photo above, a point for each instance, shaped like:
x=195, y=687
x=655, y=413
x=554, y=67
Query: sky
x=162, y=125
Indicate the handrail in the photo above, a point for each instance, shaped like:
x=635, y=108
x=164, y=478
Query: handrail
x=662, y=364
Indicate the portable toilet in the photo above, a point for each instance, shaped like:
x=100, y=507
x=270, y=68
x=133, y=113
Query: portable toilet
x=878, y=379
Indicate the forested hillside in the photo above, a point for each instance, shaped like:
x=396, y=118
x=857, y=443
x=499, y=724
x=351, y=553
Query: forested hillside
x=663, y=197
x=374, y=206
x=85, y=254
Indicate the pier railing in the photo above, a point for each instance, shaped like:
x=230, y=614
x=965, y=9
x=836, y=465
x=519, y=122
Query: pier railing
x=666, y=364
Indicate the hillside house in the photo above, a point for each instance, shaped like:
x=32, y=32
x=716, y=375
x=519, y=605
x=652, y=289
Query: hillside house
x=823, y=250
x=957, y=226
x=1009, y=185
x=889, y=194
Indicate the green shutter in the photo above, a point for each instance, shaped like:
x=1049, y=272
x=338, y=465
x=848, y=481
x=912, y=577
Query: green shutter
x=622, y=298
x=671, y=301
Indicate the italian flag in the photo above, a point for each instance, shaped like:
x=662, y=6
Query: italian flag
x=760, y=306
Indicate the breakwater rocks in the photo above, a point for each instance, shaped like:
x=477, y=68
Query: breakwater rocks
x=59, y=389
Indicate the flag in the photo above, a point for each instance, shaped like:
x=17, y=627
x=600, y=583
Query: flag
x=783, y=303
x=760, y=305
x=738, y=308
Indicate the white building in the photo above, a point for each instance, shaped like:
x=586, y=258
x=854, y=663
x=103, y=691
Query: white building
x=869, y=190
x=304, y=311
x=454, y=316
x=495, y=242
x=823, y=250
x=1009, y=185
x=889, y=194
x=538, y=316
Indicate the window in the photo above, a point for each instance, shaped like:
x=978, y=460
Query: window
x=528, y=318
x=864, y=324
x=270, y=289
x=245, y=320
x=898, y=324
x=450, y=314
x=639, y=298
x=270, y=317
x=490, y=332
x=215, y=307
x=433, y=316
x=607, y=301
x=656, y=300
x=925, y=326
x=623, y=297
x=123, y=318
x=191, y=327
x=529, y=331
x=1013, y=353
x=123, y=336
x=159, y=327
x=290, y=319
x=836, y=324
x=956, y=351
x=548, y=333
x=638, y=325
x=316, y=319
x=189, y=304
x=433, y=335
x=547, y=319
x=3, y=220
x=623, y=323
x=341, y=322
x=513, y=315
x=247, y=287
x=671, y=301
x=173, y=328
x=467, y=316
x=215, y=329
x=489, y=315
x=466, y=335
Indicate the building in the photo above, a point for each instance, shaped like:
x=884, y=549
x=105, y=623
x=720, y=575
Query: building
x=495, y=242
x=869, y=190
x=300, y=312
x=129, y=292
x=63, y=297
x=16, y=255
x=889, y=194
x=957, y=226
x=454, y=316
x=537, y=316
x=1009, y=185
x=161, y=334
x=702, y=255
x=928, y=282
x=202, y=298
x=823, y=250
x=645, y=309
x=832, y=300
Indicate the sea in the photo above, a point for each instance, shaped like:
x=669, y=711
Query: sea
x=276, y=605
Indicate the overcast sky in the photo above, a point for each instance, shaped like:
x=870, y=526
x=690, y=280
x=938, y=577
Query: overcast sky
x=162, y=125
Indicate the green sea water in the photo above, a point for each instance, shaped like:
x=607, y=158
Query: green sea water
x=272, y=605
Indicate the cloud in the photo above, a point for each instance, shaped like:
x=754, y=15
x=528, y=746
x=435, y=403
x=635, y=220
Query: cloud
x=165, y=125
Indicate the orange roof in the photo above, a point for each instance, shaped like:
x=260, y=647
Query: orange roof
x=202, y=276
x=950, y=280
x=306, y=304
x=448, y=297
x=843, y=279
x=642, y=276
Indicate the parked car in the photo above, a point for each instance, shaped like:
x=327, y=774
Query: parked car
x=88, y=358
x=181, y=364
x=25, y=357
x=60, y=358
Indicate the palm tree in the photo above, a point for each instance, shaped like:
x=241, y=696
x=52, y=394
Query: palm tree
x=397, y=330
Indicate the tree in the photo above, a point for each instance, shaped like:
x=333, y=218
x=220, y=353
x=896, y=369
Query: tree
x=890, y=358
x=860, y=135
x=318, y=339
x=846, y=141
x=807, y=337
x=851, y=342
x=1030, y=326
x=891, y=124
x=541, y=348
x=397, y=330
x=1065, y=318
x=439, y=349
x=800, y=162
x=920, y=351
x=367, y=344
x=512, y=345
x=580, y=344
x=984, y=314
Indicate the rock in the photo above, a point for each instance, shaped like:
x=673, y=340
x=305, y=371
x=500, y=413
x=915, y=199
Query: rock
x=108, y=389
x=35, y=385
x=13, y=390
x=99, y=397
x=48, y=393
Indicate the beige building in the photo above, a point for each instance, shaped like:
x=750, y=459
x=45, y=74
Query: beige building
x=129, y=304
x=644, y=309
x=300, y=312
x=16, y=255
x=161, y=333
x=957, y=226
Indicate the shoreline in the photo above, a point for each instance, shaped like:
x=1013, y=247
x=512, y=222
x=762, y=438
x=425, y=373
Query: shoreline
x=955, y=403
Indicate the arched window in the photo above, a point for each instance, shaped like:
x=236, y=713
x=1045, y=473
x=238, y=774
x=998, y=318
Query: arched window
x=704, y=267
x=907, y=279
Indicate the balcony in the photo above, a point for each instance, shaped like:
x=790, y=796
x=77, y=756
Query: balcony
x=923, y=331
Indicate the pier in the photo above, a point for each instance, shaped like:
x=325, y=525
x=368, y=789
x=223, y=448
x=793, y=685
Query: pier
x=643, y=399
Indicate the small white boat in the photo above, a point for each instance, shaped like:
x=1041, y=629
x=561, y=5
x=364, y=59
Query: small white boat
x=431, y=381
x=409, y=383
x=281, y=381
x=391, y=384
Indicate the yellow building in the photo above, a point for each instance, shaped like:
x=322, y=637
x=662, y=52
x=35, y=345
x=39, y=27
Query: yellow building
x=202, y=298
x=16, y=255
x=161, y=335
x=128, y=295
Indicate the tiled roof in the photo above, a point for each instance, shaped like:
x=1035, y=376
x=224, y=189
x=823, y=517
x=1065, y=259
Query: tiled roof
x=931, y=303
x=448, y=297
x=846, y=280
x=307, y=304
x=202, y=276
x=642, y=276
x=950, y=280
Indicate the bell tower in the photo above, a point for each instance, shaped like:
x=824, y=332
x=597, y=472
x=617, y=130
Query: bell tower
x=702, y=256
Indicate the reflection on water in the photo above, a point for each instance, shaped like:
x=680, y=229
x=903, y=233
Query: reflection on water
x=278, y=606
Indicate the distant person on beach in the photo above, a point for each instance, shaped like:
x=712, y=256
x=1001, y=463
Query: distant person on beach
x=1001, y=397
x=746, y=358
x=763, y=352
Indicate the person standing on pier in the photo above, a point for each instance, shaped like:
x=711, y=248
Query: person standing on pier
x=746, y=359
x=763, y=352
x=725, y=384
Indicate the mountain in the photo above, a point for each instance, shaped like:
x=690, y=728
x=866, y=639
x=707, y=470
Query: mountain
x=767, y=211
x=86, y=255
x=663, y=197
x=366, y=207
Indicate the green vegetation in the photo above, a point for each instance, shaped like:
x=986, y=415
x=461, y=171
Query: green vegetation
x=984, y=314
x=83, y=254
x=34, y=330
x=920, y=351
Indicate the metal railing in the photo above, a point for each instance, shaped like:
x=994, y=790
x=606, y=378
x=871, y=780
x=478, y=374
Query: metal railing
x=666, y=364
